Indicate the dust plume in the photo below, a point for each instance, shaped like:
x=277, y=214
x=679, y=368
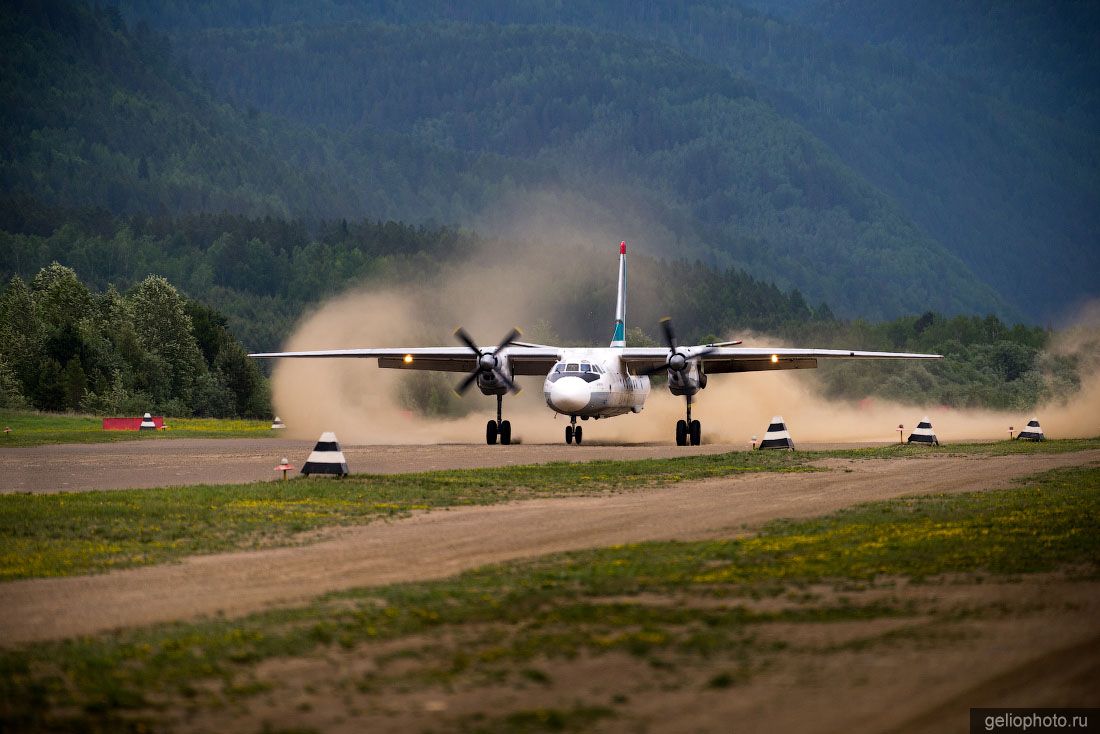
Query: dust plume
x=507, y=283
x=359, y=401
x=734, y=408
x=519, y=278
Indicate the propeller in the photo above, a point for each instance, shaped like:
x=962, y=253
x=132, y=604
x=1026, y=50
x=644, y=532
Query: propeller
x=487, y=362
x=677, y=361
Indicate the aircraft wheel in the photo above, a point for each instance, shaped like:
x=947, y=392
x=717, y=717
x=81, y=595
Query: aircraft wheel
x=491, y=432
x=577, y=435
x=505, y=433
x=569, y=434
x=695, y=431
x=681, y=433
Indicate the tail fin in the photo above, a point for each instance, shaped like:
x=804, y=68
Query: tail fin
x=618, y=339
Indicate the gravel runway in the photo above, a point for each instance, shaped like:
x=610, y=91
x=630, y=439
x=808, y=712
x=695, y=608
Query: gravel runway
x=178, y=461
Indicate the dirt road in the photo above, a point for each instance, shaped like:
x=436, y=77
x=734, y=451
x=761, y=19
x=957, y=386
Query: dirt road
x=442, y=543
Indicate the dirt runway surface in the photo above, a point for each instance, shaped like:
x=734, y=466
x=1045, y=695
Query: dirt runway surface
x=445, y=542
x=178, y=461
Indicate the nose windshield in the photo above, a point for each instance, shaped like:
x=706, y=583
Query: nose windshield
x=585, y=370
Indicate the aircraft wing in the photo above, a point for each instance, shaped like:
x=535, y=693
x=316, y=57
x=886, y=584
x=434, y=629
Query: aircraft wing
x=753, y=359
x=523, y=360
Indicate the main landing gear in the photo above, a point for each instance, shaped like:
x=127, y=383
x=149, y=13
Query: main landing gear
x=688, y=432
x=498, y=429
x=683, y=379
x=573, y=431
x=490, y=375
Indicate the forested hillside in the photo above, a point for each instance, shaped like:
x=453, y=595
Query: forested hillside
x=469, y=125
x=616, y=119
x=94, y=113
x=967, y=139
x=265, y=273
x=1039, y=55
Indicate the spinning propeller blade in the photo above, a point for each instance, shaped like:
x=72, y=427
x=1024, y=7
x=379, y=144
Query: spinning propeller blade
x=486, y=362
x=677, y=361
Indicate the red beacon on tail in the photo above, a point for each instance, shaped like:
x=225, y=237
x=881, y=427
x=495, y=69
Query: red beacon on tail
x=622, y=248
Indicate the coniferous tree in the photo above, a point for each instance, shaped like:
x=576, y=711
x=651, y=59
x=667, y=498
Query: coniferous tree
x=164, y=331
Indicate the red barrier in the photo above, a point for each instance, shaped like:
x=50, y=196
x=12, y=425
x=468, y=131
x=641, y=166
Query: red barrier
x=130, y=424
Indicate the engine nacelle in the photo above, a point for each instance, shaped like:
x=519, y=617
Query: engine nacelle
x=489, y=384
x=687, y=381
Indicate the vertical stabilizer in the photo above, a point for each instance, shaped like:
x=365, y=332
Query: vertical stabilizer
x=618, y=339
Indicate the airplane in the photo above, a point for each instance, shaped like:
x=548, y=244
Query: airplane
x=598, y=382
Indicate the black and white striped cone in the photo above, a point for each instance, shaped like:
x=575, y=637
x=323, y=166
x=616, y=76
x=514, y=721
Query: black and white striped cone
x=147, y=423
x=277, y=424
x=1033, y=432
x=923, y=433
x=326, y=457
x=777, y=436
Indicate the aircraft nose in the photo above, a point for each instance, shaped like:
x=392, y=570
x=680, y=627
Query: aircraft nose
x=569, y=394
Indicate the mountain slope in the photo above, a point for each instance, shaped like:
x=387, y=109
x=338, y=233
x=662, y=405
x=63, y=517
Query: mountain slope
x=470, y=124
x=1040, y=55
x=973, y=158
x=95, y=114
x=637, y=128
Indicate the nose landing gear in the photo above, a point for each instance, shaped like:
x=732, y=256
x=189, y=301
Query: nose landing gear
x=498, y=429
x=573, y=431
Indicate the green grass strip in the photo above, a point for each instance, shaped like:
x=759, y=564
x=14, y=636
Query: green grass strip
x=985, y=448
x=37, y=429
x=579, y=602
x=84, y=532
x=41, y=429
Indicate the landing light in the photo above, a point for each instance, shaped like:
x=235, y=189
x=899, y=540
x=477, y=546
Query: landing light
x=775, y=359
x=408, y=359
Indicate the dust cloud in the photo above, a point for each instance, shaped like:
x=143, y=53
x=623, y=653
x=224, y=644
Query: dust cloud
x=506, y=284
x=512, y=284
x=735, y=407
x=360, y=402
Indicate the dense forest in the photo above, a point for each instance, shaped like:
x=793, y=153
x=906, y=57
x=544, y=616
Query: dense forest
x=976, y=121
x=264, y=273
x=96, y=114
x=65, y=347
x=624, y=139
x=1038, y=58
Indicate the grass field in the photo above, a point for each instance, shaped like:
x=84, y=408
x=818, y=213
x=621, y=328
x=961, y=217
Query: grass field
x=685, y=607
x=38, y=429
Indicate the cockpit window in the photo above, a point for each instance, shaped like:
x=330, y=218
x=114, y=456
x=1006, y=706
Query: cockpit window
x=585, y=367
x=559, y=367
x=571, y=367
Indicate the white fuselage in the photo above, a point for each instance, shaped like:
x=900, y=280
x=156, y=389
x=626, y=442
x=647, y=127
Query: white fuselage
x=591, y=383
